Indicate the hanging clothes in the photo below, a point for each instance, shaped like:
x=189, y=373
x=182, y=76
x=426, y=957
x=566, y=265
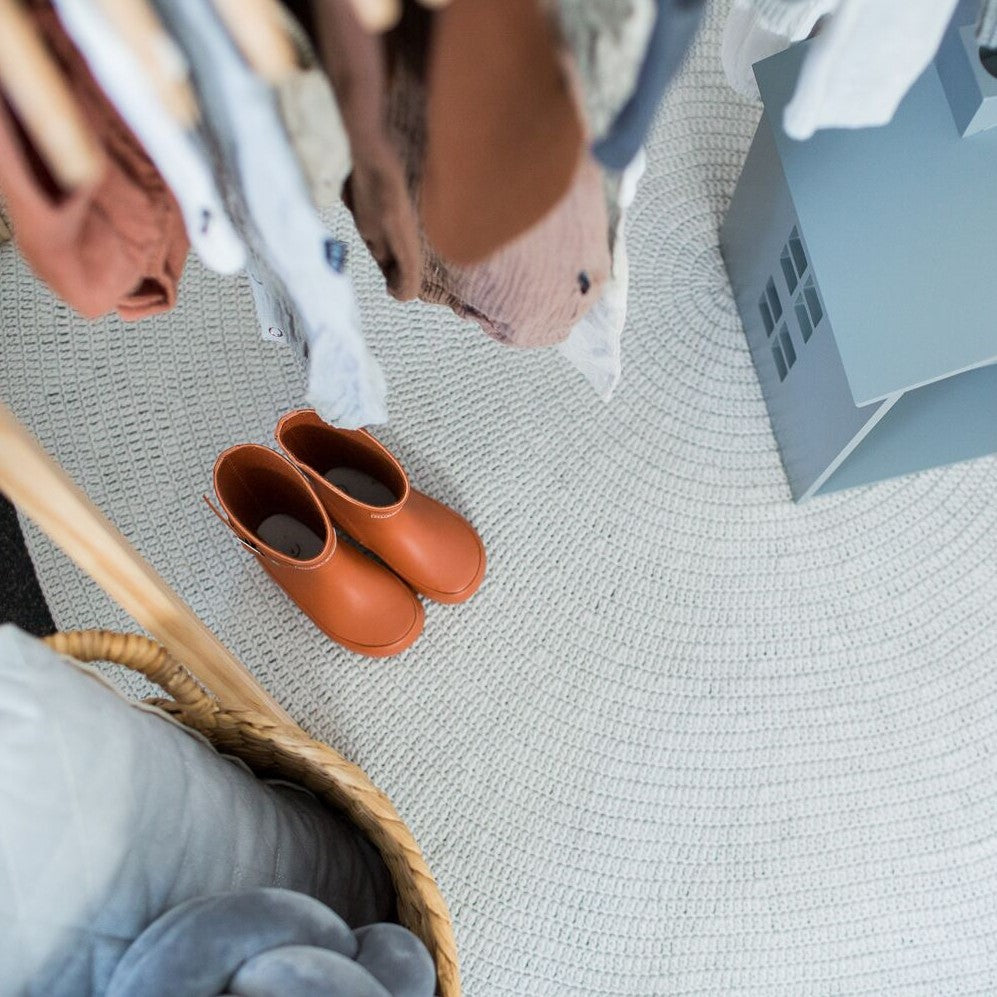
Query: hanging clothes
x=311, y=117
x=608, y=41
x=295, y=266
x=376, y=191
x=116, y=245
x=175, y=151
x=789, y=17
x=534, y=289
x=675, y=27
x=756, y=29
x=865, y=57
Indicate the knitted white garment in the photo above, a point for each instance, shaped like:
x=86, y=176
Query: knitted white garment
x=607, y=40
x=756, y=29
x=863, y=63
x=689, y=738
x=789, y=17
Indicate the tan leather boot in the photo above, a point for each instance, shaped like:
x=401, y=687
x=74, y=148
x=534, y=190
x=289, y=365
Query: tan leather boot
x=367, y=493
x=274, y=512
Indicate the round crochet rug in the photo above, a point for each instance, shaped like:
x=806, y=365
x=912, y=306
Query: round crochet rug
x=689, y=738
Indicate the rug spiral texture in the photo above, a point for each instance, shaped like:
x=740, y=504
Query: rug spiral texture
x=689, y=738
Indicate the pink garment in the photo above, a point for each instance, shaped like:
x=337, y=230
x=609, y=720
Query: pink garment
x=534, y=289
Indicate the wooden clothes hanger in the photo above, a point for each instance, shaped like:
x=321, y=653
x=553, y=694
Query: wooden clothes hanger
x=376, y=16
x=382, y=15
x=140, y=28
x=257, y=28
x=44, y=104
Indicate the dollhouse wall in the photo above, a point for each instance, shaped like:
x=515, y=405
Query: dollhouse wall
x=940, y=423
x=813, y=415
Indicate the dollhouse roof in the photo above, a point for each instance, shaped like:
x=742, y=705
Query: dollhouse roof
x=900, y=225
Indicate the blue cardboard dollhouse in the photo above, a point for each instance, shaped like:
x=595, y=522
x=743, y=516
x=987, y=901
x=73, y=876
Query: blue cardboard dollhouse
x=864, y=268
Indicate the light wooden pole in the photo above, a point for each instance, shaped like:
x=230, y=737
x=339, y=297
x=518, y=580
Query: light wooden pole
x=44, y=102
x=36, y=484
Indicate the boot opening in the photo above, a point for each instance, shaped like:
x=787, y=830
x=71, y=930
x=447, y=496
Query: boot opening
x=290, y=536
x=361, y=486
x=347, y=460
x=264, y=495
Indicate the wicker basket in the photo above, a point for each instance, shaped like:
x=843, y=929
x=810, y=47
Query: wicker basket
x=273, y=748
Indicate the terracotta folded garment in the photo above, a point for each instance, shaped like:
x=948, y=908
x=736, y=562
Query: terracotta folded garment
x=119, y=244
x=533, y=289
x=504, y=135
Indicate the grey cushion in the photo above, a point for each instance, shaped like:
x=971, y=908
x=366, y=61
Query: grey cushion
x=305, y=972
x=112, y=815
x=196, y=948
x=397, y=960
x=267, y=942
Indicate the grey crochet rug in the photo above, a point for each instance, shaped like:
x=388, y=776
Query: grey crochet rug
x=689, y=738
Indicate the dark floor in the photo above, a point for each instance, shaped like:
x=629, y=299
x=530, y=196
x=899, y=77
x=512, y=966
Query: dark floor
x=21, y=600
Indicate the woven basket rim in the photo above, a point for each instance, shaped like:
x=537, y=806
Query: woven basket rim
x=287, y=750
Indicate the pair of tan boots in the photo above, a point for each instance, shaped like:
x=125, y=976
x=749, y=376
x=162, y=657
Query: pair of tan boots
x=287, y=510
